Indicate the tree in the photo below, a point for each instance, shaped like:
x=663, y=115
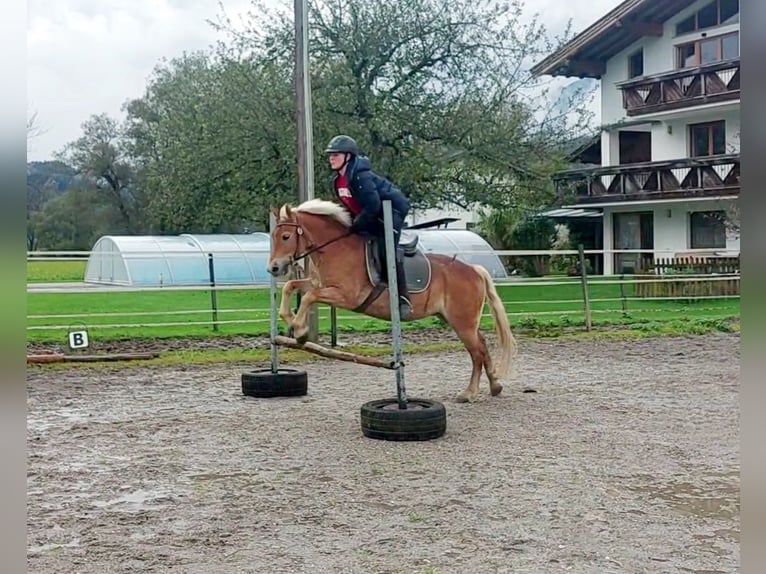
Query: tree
x=213, y=138
x=60, y=225
x=45, y=181
x=100, y=156
x=733, y=218
x=439, y=94
x=33, y=126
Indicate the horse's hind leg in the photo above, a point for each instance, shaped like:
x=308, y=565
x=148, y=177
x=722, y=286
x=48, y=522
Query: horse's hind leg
x=495, y=388
x=474, y=347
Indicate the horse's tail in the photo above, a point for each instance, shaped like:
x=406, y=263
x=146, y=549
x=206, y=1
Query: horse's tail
x=506, y=341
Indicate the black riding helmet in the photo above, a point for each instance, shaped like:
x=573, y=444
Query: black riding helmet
x=342, y=144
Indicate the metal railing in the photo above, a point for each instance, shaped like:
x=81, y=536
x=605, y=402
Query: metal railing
x=575, y=299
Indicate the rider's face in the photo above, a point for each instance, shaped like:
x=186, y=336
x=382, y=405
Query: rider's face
x=337, y=160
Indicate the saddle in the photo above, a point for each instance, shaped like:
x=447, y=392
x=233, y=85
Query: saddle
x=417, y=267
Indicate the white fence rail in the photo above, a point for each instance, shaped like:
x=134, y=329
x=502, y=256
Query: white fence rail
x=607, y=294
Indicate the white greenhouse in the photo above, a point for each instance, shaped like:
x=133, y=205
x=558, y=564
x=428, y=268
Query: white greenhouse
x=455, y=241
x=157, y=260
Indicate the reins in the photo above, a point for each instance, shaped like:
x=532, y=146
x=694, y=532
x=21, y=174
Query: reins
x=312, y=248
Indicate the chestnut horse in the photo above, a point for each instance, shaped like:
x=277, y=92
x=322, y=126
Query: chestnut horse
x=456, y=292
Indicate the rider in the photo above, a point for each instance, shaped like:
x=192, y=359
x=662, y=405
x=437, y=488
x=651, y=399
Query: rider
x=362, y=191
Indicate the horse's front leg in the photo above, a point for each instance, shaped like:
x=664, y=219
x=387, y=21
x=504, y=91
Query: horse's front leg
x=327, y=295
x=285, y=312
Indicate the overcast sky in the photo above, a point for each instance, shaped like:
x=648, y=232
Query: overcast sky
x=87, y=57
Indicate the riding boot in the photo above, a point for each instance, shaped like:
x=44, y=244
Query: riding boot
x=381, y=241
x=405, y=306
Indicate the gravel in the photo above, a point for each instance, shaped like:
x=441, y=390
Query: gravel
x=626, y=459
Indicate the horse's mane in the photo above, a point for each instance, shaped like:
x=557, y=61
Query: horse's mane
x=322, y=207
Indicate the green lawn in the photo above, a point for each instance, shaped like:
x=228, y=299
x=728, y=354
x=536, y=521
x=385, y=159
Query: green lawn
x=136, y=314
x=55, y=271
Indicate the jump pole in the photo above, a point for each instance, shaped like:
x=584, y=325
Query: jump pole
x=396, y=328
x=393, y=292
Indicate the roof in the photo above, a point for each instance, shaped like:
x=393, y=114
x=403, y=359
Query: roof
x=434, y=223
x=567, y=213
x=586, y=54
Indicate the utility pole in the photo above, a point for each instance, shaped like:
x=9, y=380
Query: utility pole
x=305, y=133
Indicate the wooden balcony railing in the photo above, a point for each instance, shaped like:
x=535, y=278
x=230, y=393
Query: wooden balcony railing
x=706, y=84
x=688, y=177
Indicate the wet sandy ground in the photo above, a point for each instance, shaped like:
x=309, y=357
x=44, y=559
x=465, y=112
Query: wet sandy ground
x=625, y=460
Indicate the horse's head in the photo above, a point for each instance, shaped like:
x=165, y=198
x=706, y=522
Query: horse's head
x=305, y=230
x=285, y=240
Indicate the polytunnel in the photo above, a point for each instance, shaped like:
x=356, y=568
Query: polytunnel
x=156, y=260
x=455, y=241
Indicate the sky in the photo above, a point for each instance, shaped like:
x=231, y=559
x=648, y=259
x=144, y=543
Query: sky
x=87, y=57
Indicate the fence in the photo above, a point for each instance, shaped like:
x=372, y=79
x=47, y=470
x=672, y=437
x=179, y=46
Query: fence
x=183, y=310
x=721, y=277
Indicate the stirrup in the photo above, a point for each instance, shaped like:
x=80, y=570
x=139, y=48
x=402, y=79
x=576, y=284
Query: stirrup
x=405, y=308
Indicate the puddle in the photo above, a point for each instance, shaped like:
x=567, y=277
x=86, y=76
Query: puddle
x=52, y=546
x=135, y=501
x=41, y=424
x=716, y=497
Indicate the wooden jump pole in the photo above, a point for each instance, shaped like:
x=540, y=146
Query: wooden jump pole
x=333, y=353
x=396, y=364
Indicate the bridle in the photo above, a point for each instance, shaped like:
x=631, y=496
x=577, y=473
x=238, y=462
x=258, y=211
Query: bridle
x=311, y=247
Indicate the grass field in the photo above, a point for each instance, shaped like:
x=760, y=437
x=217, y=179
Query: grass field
x=124, y=315
x=55, y=271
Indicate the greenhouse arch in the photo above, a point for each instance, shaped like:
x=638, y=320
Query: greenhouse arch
x=237, y=259
x=156, y=260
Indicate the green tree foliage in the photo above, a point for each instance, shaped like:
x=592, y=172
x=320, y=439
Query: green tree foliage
x=214, y=141
x=45, y=181
x=100, y=155
x=61, y=225
x=512, y=229
x=438, y=94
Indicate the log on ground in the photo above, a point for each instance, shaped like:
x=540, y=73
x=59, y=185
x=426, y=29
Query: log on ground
x=333, y=353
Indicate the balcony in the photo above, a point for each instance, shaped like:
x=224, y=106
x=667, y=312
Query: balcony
x=716, y=82
x=681, y=178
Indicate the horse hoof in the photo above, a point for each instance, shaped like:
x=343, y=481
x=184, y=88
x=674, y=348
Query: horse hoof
x=496, y=390
x=465, y=397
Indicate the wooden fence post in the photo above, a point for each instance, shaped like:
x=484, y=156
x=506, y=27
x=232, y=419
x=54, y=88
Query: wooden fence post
x=622, y=295
x=585, y=295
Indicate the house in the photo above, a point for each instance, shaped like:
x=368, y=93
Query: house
x=667, y=164
x=450, y=216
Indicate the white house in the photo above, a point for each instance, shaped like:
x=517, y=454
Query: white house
x=450, y=216
x=668, y=177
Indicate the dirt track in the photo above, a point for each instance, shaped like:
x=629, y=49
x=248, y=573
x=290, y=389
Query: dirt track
x=625, y=460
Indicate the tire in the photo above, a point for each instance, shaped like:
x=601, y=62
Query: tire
x=421, y=420
x=262, y=383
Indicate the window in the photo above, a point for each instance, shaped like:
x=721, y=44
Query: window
x=730, y=46
x=707, y=139
x=714, y=14
x=686, y=25
x=633, y=230
x=636, y=64
x=708, y=50
x=707, y=17
x=708, y=230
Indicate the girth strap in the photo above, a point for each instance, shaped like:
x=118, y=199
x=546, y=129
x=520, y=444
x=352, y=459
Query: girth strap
x=374, y=294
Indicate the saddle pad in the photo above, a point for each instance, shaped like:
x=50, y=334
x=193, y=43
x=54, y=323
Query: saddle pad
x=417, y=268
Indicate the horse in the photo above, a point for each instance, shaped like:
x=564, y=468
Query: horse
x=343, y=266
